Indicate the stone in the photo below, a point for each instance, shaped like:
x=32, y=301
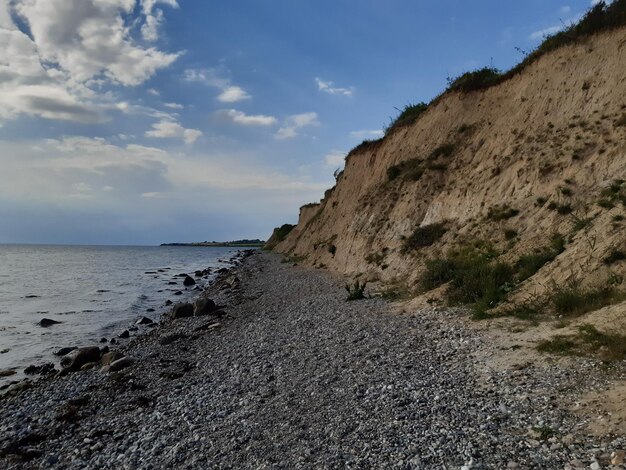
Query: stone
x=150, y=310
x=89, y=365
x=80, y=357
x=182, y=310
x=169, y=339
x=618, y=457
x=120, y=364
x=7, y=372
x=178, y=292
x=124, y=334
x=203, y=306
x=41, y=369
x=512, y=465
x=168, y=302
x=46, y=322
x=144, y=321
x=189, y=281
x=110, y=357
x=104, y=340
x=65, y=351
x=595, y=466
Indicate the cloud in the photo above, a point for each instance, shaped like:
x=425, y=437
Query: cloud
x=169, y=129
x=565, y=9
x=335, y=158
x=153, y=92
x=295, y=122
x=328, y=87
x=542, y=33
x=238, y=117
x=55, y=63
x=367, y=134
x=211, y=77
x=173, y=105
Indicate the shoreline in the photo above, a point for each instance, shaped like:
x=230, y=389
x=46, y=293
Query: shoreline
x=291, y=375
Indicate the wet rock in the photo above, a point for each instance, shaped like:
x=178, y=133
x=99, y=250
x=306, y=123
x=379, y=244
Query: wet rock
x=89, y=366
x=203, y=306
x=182, y=310
x=7, y=372
x=178, y=292
x=172, y=283
x=120, y=364
x=113, y=341
x=124, y=334
x=42, y=369
x=103, y=340
x=189, y=281
x=46, y=322
x=65, y=351
x=80, y=357
x=149, y=310
x=144, y=320
x=168, y=302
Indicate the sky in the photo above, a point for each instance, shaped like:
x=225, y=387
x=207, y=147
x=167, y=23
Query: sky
x=150, y=121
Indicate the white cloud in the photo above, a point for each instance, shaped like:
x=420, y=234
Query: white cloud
x=211, y=77
x=173, y=105
x=70, y=48
x=238, y=117
x=170, y=129
x=542, y=33
x=295, y=122
x=328, y=87
x=153, y=92
x=367, y=134
x=335, y=158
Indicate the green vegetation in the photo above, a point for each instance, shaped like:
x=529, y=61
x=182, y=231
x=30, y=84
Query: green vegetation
x=616, y=192
x=574, y=300
x=614, y=256
x=367, y=144
x=356, y=291
x=332, y=249
x=280, y=233
x=579, y=223
x=411, y=170
x=442, y=151
x=501, y=212
x=621, y=121
x=479, y=79
x=588, y=340
x=424, y=236
x=527, y=265
x=407, y=116
x=540, y=201
x=510, y=233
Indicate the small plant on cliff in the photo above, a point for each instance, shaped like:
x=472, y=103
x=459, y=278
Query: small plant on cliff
x=424, y=236
x=356, y=291
x=501, y=212
x=411, y=170
x=444, y=150
x=575, y=300
x=476, y=80
x=588, y=341
x=408, y=115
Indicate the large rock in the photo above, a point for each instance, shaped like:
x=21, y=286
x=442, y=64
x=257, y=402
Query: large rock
x=189, y=281
x=144, y=320
x=203, y=306
x=46, y=322
x=7, y=373
x=80, y=357
x=182, y=310
x=65, y=351
x=42, y=369
x=120, y=364
x=110, y=357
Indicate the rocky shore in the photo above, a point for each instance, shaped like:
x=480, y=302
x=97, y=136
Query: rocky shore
x=272, y=368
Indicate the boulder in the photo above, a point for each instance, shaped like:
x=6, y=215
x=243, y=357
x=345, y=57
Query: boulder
x=120, y=364
x=124, y=334
x=46, y=322
x=182, y=310
x=42, y=369
x=189, y=281
x=65, y=351
x=178, y=292
x=168, y=302
x=110, y=357
x=144, y=321
x=7, y=372
x=203, y=306
x=80, y=357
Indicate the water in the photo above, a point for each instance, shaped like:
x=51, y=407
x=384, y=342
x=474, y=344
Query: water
x=95, y=291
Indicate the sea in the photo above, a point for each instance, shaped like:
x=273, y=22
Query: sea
x=94, y=292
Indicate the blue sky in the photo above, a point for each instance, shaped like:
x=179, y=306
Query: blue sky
x=144, y=121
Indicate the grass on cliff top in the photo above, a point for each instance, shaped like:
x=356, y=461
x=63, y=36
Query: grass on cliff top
x=408, y=115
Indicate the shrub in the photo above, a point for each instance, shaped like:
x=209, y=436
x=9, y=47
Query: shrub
x=564, y=209
x=356, y=291
x=527, y=265
x=621, y=121
x=574, y=300
x=393, y=172
x=588, y=340
x=442, y=151
x=424, y=236
x=614, y=256
x=438, y=272
x=411, y=170
x=501, y=212
x=476, y=80
x=367, y=144
x=510, y=233
x=407, y=116
x=540, y=201
x=332, y=249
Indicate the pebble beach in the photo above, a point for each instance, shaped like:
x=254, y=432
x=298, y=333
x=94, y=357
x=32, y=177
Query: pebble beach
x=278, y=370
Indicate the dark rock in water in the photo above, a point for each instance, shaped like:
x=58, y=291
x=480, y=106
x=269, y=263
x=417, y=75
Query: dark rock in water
x=198, y=274
x=103, y=340
x=110, y=357
x=124, y=334
x=203, y=306
x=120, y=364
x=80, y=357
x=149, y=310
x=161, y=270
x=222, y=271
x=150, y=272
x=172, y=283
x=144, y=320
x=64, y=351
x=189, y=281
x=104, y=350
x=113, y=341
x=168, y=302
x=7, y=372
x=42, y=369
x=133, y=328
x=31, y=296
x=182, y=310
x=182, y=275
x=46, y=322
x=178, y=292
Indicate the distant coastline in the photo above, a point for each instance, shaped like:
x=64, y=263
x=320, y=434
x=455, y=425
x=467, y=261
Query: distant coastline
x=231, y=244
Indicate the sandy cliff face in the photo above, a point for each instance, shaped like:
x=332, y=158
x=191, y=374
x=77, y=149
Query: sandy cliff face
x=548, y=145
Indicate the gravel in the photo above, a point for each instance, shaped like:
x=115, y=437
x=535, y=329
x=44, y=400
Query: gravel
x=293, y=376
